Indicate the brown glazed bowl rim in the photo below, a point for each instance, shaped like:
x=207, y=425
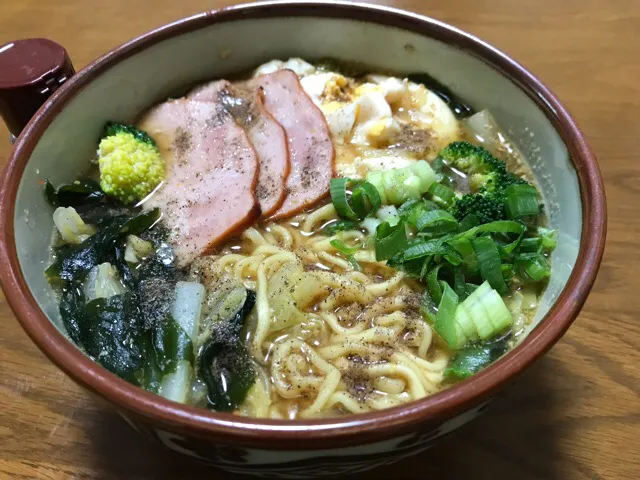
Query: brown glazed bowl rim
x=333, y=432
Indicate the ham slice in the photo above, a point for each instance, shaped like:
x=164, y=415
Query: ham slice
x=212, y=170
x=265, y=133
x=310, y=148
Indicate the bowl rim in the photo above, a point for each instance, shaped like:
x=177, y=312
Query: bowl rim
x=333, y=432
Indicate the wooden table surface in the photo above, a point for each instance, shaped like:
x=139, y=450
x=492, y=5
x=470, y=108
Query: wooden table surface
x=574, y=415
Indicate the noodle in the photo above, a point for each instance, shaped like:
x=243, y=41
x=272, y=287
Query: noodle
x=329, y=339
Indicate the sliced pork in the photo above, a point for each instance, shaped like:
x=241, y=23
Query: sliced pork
x=212, y=171
x=310, y=148
x=265, y=133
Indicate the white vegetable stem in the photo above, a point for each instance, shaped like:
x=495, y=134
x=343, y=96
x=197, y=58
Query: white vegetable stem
x=186, y=311
x=187, y=307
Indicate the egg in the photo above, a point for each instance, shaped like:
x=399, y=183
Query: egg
x=316, y=84
x=434, y=114
x=341, y=117
x=299, y=66
x=374, y=116
x=393, y=88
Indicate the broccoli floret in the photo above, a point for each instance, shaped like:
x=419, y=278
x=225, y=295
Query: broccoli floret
x=485, y=172
x=488, y=177
x=487, y=206
x=130, y=163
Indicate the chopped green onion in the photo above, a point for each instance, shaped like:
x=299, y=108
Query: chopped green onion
x=354, y=263
x=507, y=271
x=465, y=248
x=549, y=238
x=437, y=222
x=338, y=191
x=412, y=209
x=469, y=222
x=521, y=201
x=445, y=323
x=344, y=248
x=425, y=266
x=532, y=267
x=433, y=285
x=500, y=226
x=489, y=263
x=338, y=226
x=459, y=284
x=445, y=194
x=423, y=249
x=530, y=245
x=365, y=199
x=390, y=240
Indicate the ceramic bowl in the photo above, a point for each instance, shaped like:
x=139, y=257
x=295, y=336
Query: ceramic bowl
x=62, y=136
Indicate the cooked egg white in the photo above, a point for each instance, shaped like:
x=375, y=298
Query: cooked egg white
x=380, y=123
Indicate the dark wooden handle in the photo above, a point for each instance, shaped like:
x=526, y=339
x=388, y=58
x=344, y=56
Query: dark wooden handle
x=30, y=71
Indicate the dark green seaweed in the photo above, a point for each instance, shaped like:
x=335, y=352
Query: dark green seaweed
x=225, y=364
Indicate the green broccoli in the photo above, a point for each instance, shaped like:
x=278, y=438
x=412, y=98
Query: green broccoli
x=487, y=206
x=488, y=178
x=485, y=172
x=130, y=163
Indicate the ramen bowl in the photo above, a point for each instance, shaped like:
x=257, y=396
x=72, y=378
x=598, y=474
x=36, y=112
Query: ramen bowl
x=165, y=62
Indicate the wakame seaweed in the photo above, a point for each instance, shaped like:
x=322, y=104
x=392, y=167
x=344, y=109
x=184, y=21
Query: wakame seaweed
x=78, y=193
x=225, y=364
x=73, y=262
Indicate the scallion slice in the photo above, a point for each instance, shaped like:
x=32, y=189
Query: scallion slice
x=338, y=226
x=442, y=193
x=424, y=249
x=437, y=222
x=489, y=263
x=531, y=245
x=459, y=283
x=521, y=201
x=500, y=226
x=532, y=267
x=433, y=285
x=365, y=199
x=549, y=238
x=390, y=240
x=445, y=323
x=338, y=191
x=343, y=247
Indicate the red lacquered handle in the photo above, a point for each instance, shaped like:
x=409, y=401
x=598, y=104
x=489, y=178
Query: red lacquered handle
x=30, y=71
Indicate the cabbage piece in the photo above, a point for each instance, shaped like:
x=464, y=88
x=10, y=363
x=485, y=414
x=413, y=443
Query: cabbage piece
x=102, y=281
x=71, y=227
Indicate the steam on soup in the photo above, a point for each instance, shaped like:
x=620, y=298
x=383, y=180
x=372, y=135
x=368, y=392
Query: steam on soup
x=300, y=244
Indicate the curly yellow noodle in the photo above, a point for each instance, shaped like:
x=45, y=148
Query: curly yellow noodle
x=359, y=327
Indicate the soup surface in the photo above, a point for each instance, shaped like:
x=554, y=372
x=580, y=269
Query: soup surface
x=301, y=243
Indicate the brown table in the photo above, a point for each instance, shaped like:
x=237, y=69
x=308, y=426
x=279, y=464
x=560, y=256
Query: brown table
x=574, y=415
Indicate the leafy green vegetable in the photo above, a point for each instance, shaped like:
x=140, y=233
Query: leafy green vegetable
x=472, y=359
x=108, y=329
x=225, y=363
x=73, y=262
x=171, y=344
x=78, y=193
x=390, y=240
